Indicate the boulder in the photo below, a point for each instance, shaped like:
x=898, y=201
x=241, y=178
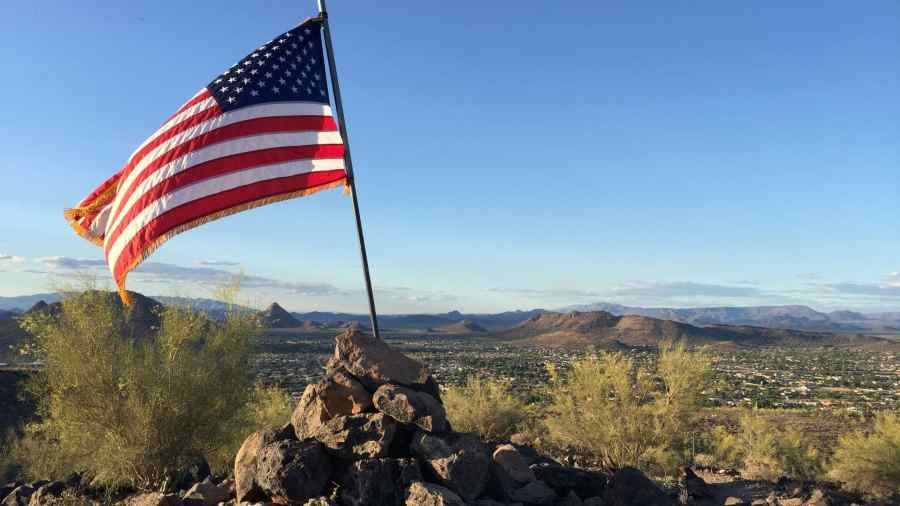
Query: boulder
x=458, y=461
x=429, y=494
x=320, y=501
x=563, y=479
x=9, y=487
x=310, y=414
x=409, y=406
x=43, y=495
x=209, y=493
x=630, y=487
x=378, y=481
x=536, y=492
x=692, y=487
x=368, y=435
x=154, y=499
x=735, y=501
x=293, y=471
x=513, y=463
x=342, y=394
x=18, y=497
x=375, y=363
x=246, y=488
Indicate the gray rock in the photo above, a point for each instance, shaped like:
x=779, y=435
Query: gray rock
x=43, y=495
x=563, y=479
x=409, y=406
x=368, y=435
x=310, y=414
x=209, y=493
x=154, y=499
x=570, y=500
x=512, y=463
x=458, y=461
x=374, y=363
x=536, y=492
x=293, y=471
x=378, y=481
x=18, y=497
x=629, y=487
x=246, y=488
x=429, y=494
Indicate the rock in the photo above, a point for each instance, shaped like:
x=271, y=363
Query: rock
x=246, y=488
x=309, y=415
x=43, y=495
x=759, y=502
x=792, y=501
x=457, y=461
x=342, y=394
x=429, y=494
x=18, y=497
x=320, y=501
x=154, y=499
x=514, y=463
x=368, y=435
x=209, y=493
x=195, y=472
x=293, y=471
x=629, y=487
x=735, y=501
x=536, y=492
x=818, y=498
x=692, y=487
x=562, y=479
x=9, y=487
x=374, y=363
x=378, y=481
x=570, y=500
x=411, y=407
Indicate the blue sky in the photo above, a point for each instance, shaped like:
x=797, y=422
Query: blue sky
x=508, y=154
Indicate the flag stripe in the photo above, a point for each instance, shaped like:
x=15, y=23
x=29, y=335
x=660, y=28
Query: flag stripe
x=221, y=149
x=250, y=127
x=206, y=108
x=201, y=200
x=136, y=166
x=218, y=167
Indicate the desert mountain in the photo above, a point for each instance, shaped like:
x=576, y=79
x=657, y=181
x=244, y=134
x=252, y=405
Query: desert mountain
x=276, y=316
x=460, y=327
x=604, y=328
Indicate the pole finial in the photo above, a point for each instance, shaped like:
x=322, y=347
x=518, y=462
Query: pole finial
x=322, y=11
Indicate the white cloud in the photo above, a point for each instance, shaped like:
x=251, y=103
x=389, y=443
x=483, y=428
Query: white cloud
x=11, y=258
x=218, y=263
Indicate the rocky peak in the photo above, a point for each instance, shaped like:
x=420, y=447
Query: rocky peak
x=276, y=316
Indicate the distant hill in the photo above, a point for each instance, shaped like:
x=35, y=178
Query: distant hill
x=604, y=328
x=24, y=302
x=460, y=327
x=489, y=321
x=276, y=317
x=784, y=317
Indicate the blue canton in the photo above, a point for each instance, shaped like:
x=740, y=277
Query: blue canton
x=289, y=68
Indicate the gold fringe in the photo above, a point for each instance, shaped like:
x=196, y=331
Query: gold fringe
x=123, y=294
x=74, y=214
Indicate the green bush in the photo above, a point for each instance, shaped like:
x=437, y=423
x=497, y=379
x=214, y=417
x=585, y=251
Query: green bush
x=485, y=406
x=869, y=462
x=722, y=449
x=131, y=409
x=627, y=415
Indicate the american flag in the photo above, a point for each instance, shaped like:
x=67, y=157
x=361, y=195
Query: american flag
x=260, y=132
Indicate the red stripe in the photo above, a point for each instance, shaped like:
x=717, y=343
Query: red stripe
x=181, y=126
x=203, y=95
x=215, y=203
x=220, y=166
x=254, y=126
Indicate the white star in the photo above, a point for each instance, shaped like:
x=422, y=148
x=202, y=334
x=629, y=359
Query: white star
x=303, y=74
x=260, y=62
x=301, y=38
x=281, y=41
x=261, y=83
x=309, y=91
x=317, y=76
x=254, y=93
x=308, y=31
x=253, y=72
x=230, y=100
x=239, y=71
x=294, y=88
x=232, y=79
x=313, y=60
x=282, y=81
x=282, y=59
x=287, y=73
x=276, y=67
x=294, y=66
x=310, y=44
x=219, y=80
x=322, y=91
x=275, y=89
x=305, y=51
x=268, y=75
x=267, y=55
x=254, y=55
x=238, y=89
x=223, y=89
x=248, y=62
x=295, y=46
x=275, y=47
x=308, y=68
x=246, y=80
x=288, y=52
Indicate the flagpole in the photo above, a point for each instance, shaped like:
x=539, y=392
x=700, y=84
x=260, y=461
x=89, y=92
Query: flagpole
x=348, y=161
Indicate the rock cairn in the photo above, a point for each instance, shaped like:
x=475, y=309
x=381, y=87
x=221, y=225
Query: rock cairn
x=374, y=431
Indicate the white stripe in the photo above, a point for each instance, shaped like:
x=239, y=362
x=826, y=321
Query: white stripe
x=178, y=118
x=243, y=114
x=223, y=149
x=98, y=226
x=209, y=187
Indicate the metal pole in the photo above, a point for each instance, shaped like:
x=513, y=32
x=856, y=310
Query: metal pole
x=348, y=162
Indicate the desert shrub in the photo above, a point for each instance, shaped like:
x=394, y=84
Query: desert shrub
x=132, y=408
x=762, y=450
x=627, y=415
x=869, y=462
x=486, y=406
